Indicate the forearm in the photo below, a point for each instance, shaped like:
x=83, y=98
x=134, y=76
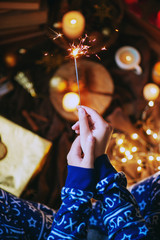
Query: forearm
x=72, y=218
x=120, y=214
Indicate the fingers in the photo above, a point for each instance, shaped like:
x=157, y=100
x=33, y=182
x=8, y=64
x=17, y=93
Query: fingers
x=94, y=115
x=76, y=126
x=84, y=128
x=88, y=160
x=75, y=152
x=83, y=121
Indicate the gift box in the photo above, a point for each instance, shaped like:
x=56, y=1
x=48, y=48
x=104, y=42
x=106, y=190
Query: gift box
x=24, y=154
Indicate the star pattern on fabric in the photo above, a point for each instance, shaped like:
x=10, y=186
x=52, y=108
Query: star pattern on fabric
x=140, y=189
x=142, y=205
x=143, y=230
x=32, y=222
x=93, y=221
x=125, y=237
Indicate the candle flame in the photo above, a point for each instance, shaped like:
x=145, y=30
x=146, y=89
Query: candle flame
x=73, y=21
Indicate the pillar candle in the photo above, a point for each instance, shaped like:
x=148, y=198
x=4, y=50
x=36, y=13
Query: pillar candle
x=73, y=24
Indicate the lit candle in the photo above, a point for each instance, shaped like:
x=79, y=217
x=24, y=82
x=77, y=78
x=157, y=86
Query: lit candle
x=70, y=101
x=150, y=91
x=126, y=57
x=73, y=24
x=156, y=73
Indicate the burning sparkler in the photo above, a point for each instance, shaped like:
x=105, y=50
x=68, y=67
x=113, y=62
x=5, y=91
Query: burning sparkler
x=75, y=52
x=79, y=50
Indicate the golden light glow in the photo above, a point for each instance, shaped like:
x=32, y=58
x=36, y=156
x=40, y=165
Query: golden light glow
x=155, y=135
x=148, y=131
x=130, y=157
x=124, y=160
x=150, y=91
x=139, y=161
x=127, y=153
x=151, y=158
x=134, y=136
x=158, y=158
x=70, y=101
x=139, y=168
x=126, y=57
x=75, y=52
x=156, y=73
x=73, y=21
x=134, y=149
x=120, y=141
x=73, y=24
x=150, y=103
x=122, y=149
x=58, y=83
x=79, y=49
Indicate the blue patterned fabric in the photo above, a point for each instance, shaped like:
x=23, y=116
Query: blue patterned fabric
x=23, y=220
x=115, y=214
x=72, y=217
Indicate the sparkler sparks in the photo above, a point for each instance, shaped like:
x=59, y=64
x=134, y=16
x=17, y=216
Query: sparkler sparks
x=56, y=34
x=81, y=49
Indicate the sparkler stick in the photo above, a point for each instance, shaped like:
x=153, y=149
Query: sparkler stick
x=75, y=62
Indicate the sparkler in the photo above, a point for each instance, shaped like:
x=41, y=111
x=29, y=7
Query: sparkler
x=75, y=52
x=78, y=50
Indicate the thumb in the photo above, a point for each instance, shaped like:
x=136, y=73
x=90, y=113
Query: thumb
x=89, y=152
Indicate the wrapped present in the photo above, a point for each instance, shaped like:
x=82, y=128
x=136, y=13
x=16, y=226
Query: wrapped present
x=25, y=157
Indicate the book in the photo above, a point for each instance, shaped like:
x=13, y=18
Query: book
x=15, y=18
x=18, y=30
x=20, y=4
x=36, y=32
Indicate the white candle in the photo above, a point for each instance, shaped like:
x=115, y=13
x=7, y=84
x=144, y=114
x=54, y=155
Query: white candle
x=150, y=91
x=70, y=101
x=73, y=24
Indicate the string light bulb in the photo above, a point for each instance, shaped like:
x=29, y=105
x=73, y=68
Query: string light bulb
x=139, y=168
x=151, y=158
x=122, y=149
x=148, y=132
x=150, y=91
x=134, y=136
x=151, y=104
